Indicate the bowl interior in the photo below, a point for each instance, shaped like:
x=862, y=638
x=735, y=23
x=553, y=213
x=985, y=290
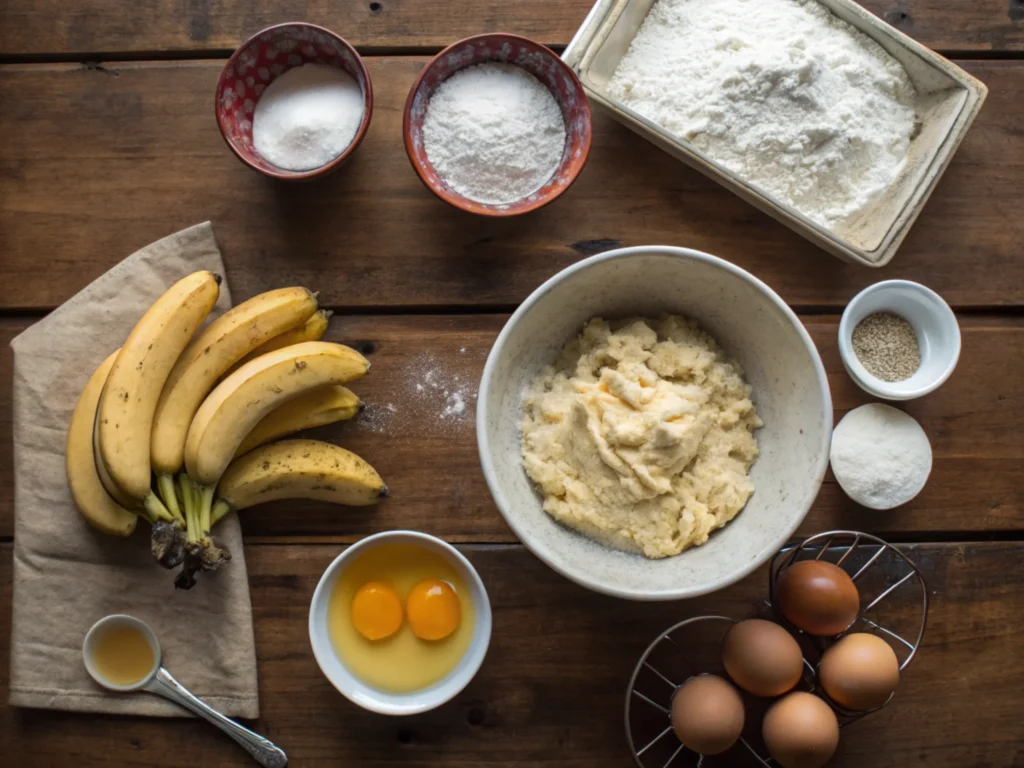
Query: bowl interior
x=106, y=624
x=414, y=701
x=261, y=60
x=754, y=327
x=539, y=62
x=938, y=336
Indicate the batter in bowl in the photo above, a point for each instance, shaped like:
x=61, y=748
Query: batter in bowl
x=641, y=435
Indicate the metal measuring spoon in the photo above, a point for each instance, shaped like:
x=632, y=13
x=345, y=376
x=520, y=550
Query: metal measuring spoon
x=159, y=681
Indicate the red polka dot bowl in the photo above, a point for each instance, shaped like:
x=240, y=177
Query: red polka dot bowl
x=539, y=61
x=257, y=63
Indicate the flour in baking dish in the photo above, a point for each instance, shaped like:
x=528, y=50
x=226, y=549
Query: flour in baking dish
x=781, y=92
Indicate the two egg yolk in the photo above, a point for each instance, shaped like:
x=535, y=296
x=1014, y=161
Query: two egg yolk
x=433, y=610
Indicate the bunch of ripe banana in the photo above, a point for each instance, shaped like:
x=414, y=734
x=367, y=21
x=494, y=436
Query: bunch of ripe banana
x=177, y=430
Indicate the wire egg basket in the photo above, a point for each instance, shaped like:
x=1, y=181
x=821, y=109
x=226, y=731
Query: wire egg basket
x=897, y=611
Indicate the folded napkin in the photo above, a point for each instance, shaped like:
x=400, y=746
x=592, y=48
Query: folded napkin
x=68, y=575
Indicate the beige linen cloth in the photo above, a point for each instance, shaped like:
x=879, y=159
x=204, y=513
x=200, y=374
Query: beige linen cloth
x=68, y=575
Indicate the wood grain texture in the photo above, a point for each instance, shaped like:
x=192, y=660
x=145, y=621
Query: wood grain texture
x=40, y=27
x=8, y=330
x=551, y=690
x=98, y=162
x=430, y=460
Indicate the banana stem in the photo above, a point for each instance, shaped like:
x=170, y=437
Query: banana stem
x=220, y=510
x=193, y=496
x=202, y=553
x=145, y=515
x=165, y=484
x=156, y=509
x=205, y=509
x=188, y=498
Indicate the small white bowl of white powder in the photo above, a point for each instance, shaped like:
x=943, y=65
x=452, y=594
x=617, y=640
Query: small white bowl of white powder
x=294, y=101
x=497, y=125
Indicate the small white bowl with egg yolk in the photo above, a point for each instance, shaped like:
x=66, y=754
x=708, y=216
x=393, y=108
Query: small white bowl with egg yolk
x=398, y=672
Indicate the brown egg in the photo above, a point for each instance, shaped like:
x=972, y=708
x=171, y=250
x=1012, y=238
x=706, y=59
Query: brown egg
x=762, y=658
x=860, y=671
x=817, y=597
x=707, y=714
x=801, y=731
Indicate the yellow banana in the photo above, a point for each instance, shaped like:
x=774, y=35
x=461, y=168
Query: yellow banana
x=312, y=330
x=130, y=396
x=112, y=488
x=150, y=506
x=223, y=343
x=312, y=409
x=298, y=469
x=245, y=397
x=92, y=500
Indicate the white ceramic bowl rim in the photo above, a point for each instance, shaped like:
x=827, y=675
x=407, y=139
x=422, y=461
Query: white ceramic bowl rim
x=897, y=390
x=533, y=543
x=413, y=702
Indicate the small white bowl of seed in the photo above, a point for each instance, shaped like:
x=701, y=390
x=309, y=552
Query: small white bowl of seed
x=899, y=340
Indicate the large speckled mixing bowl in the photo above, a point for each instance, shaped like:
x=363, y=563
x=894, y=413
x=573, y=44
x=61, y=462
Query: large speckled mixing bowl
x=753, y=325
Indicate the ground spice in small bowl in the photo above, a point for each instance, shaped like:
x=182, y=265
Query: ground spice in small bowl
x=886, y=345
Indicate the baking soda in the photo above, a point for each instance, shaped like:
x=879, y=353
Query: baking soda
x=880, y=456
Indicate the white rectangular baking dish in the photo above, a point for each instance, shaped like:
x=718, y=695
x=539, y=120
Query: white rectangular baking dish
x=949, y=100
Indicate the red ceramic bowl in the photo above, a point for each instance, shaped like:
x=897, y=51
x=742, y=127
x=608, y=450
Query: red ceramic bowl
x=258, y=62
x=540, y=62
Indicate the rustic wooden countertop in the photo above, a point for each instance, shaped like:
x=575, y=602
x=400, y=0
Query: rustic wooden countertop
x=108, y=142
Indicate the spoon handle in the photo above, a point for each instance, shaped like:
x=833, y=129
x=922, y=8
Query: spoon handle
x=265, y=752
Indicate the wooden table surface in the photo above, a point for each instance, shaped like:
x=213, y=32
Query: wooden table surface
x=108, y=142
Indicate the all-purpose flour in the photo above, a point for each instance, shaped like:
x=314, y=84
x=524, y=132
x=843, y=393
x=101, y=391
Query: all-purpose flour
x=494, y=133
x=781, y=92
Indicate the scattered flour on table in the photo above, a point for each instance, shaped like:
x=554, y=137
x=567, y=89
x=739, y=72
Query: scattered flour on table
x=436, y=400
x=307, y=117
x=494, y=133
x=781, y=92
x=455, y=405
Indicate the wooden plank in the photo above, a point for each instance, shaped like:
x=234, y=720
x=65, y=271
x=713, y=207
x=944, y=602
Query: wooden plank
x=34, y=27
x=551, y=689
x=98, y=162
x=430, y=461
x=8, y=330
